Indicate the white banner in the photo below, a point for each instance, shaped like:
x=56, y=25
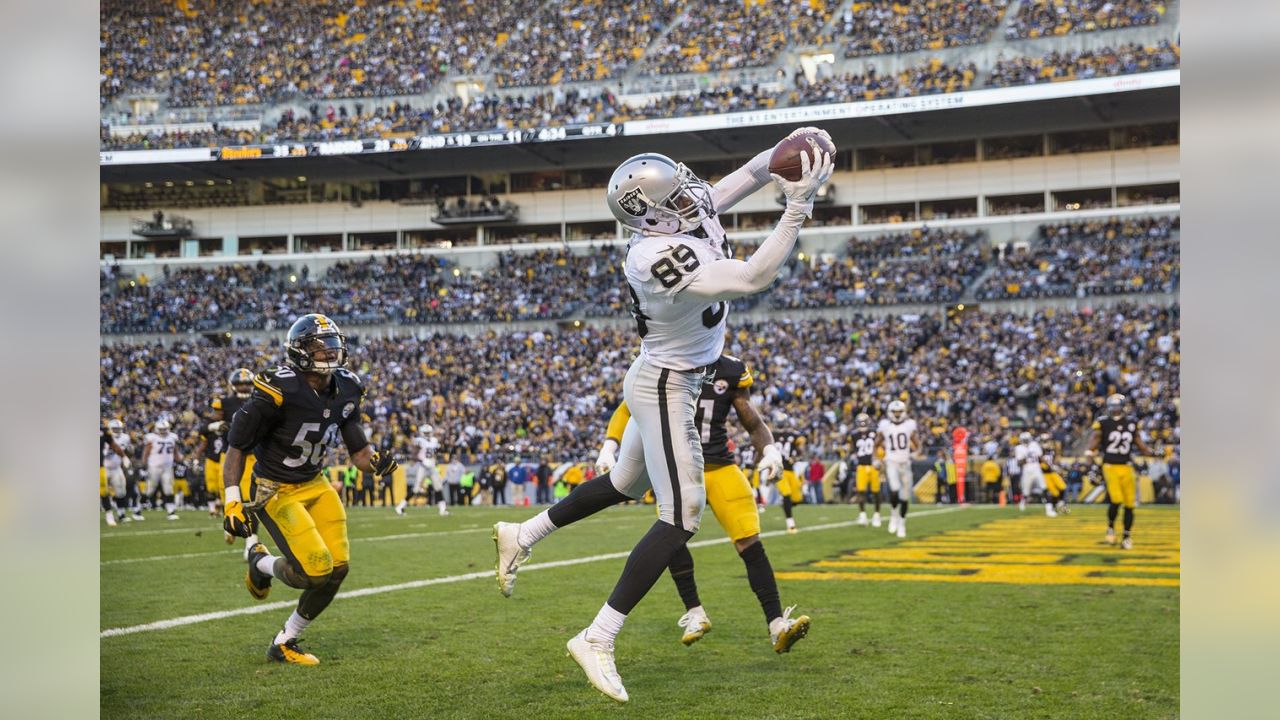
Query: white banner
x=897, y=106
x=133, y=157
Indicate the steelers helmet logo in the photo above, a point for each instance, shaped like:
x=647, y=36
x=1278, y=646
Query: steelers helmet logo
x=721, y=386
x=634, y=202
x=324, y=324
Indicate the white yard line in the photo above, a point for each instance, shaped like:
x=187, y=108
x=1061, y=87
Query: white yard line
x=414, y=584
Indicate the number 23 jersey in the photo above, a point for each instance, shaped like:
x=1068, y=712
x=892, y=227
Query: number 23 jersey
x=291, y=428
x=1117, y=439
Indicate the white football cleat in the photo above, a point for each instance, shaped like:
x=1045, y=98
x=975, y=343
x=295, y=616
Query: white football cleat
x=875, y=520
x=893, y=524
x=111, y=518
x=596, y=660
x=786, y=631
x=1111, y=536
x=1049, y=511
x=862, y=519
x=173, y=516
x=510, y=556
x=1022, y=504
x=1126, y=544
x=902, y=527
x=695, y=624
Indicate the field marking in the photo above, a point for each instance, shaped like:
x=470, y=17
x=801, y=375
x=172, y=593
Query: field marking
x=415, y=584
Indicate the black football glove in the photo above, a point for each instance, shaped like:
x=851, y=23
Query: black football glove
x=382, y=464
x=234, y=521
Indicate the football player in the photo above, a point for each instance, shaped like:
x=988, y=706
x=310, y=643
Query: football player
x=425, y=446
x=296, y=413
x=896, y=434
x=868, y=475
x=1120, y=431
x=731, y=499
x=221, y=410
x=1053, y=482
x=159, y=454
x=1028, y=453
x=115, y=458
x=790, y=486
x=681, y=277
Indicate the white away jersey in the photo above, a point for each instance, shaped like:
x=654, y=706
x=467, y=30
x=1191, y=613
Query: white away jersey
x=424, y=449
x=897, y=438
x=162, y=447
x=110, y=460
x=677, y=331
x=1028, y=453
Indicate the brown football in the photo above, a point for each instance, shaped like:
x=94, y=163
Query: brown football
x=785, y=160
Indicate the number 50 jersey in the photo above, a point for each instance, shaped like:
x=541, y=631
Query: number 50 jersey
x=290, y=427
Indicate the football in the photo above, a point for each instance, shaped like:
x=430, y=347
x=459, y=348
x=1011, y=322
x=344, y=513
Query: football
x=785, y=160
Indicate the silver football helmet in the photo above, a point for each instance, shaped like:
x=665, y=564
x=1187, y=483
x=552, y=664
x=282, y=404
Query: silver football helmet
x=897, y=411
x=162, y=426
x=653, y=193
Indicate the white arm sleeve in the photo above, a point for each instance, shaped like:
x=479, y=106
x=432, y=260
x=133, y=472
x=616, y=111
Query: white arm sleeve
x=729, y=279
x=742, y=182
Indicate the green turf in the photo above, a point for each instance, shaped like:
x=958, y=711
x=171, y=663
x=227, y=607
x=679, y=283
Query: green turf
x=879, y=650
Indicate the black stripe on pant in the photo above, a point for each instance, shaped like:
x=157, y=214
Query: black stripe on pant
x=668, y=450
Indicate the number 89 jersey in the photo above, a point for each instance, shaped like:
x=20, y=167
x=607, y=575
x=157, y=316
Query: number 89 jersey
x=677, y=331
x=290, y=427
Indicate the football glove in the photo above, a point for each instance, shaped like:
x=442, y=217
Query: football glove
x=382, y=464
x=770, y=465
x=234, y=520
x=813, y=174
x=218, y=428
x=607, y=458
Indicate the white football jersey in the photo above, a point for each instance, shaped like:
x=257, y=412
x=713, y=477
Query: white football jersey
x=677, y=331
x=897, y=438
x=162, y=448
x=425, y=449
x=1028, y=453
x=110, y=460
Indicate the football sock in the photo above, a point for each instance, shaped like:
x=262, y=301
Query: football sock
x=760, y=577
x=586, y=500
x=1112, y=510
x=313, y=601
x=251, y=540
x=648, y=560
x=266, y=564
x=902, y=508
x=606, y=626
x=106, y=503
x=534, y=529
x=682, y=574
x=786, y=505
x=1128, y=520
x=293, y=627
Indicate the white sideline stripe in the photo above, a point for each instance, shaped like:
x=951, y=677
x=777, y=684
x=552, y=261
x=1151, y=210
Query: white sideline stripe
x=376, y=538
x=414, y=584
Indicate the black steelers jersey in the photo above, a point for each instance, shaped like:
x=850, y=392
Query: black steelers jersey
x=864, y=446
x=1117, y=439
x=221, y=408
x=714, y=406
x=788, y=443
x=290, y=427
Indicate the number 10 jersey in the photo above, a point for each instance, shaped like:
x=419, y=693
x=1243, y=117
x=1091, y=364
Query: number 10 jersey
x=291, y=427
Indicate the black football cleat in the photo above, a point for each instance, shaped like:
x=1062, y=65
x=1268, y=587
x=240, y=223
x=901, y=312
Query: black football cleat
x=289, y=652
x=258, y=582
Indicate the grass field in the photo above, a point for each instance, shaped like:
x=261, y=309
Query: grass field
x=980, y=613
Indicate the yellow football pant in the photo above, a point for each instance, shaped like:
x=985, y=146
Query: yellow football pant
x=213, y=481
x=789, y=485
x=1055, y=484
x=867, y=477
x=1121, y=484
x=731, y=499
x=308, y=524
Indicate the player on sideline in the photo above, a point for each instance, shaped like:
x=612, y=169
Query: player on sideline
x=868, y=477
x=159, y=454
x=681, y=276
x=115, y=458
x=296, y=414
x=1053, y=482
x=896, y=433
x=731, y=498
x=1120, y=431
x=1029, y=453
x=790, y=486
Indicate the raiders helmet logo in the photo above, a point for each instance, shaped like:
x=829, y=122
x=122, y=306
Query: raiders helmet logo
x=721, y=386
x=634, y=202
x=347, y=409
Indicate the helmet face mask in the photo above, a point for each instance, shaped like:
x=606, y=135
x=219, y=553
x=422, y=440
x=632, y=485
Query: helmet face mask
x=115, y=427
x=162, y=426
x=315, y=345
x=241, y=382
x=897, y=411
x=1115, y=405
x=863, y=420
x=653, y=193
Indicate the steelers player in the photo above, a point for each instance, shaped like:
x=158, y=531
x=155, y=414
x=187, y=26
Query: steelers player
x=298, y=412
x=729, y=494
x=868, y=477
x=1120, y=432
x=790, y=486
x=214, y=435
x=1053, y=482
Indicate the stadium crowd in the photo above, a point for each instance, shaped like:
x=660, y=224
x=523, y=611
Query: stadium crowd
x=1084, y=64
x=844, y=281
x=513, y=394
x=734, y=34
x=1040, y=18
x=878, y=27
x=929, y=78
x=1091, y=258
